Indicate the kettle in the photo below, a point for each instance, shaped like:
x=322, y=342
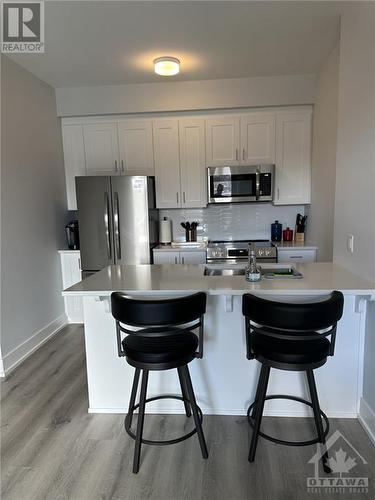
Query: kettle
x=72, y=235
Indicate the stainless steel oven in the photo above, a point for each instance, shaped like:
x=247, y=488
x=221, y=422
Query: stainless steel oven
x=240, y=184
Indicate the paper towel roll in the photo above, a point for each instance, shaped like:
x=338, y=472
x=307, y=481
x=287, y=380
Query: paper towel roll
x=165, y=232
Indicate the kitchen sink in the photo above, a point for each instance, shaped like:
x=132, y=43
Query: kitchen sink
x=224, y=271
x=269, y=271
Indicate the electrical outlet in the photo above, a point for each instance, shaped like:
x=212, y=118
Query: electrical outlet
x=350, y=243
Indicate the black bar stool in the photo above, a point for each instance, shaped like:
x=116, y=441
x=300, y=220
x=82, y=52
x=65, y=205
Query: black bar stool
x=160, y=336
x=292, y=337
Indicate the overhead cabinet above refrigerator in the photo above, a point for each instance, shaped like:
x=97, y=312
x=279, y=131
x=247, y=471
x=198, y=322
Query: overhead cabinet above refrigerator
x=118, y=221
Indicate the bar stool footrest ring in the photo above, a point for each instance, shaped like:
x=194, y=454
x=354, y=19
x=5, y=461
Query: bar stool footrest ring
x=281, y=441
x=129, y=416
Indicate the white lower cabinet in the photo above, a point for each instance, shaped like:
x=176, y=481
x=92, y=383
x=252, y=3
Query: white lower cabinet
x=168, y=257
x=71, y=274
x=296, y=255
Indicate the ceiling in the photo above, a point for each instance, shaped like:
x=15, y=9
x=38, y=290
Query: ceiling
x=91, y=43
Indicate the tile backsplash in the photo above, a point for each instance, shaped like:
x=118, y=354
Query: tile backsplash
x=233, y=221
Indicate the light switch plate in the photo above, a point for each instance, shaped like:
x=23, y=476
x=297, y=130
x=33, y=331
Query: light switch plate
x=350, y=243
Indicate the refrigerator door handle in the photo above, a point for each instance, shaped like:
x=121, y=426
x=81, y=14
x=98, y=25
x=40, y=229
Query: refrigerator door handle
x=106, y=225
x=116, y=212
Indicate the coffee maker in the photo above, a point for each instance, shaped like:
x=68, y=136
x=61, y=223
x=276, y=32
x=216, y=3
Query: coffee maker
x=72, y=235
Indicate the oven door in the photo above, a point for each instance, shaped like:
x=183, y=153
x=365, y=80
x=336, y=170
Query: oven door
x=232, y=184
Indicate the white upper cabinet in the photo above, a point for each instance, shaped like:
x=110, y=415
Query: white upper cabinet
x=293, y=158
x=101, y=148
x=223, y=141
x=136, y=148
x=74, y=159
x=167, y=164
x=192, y=162
x=180, y=174
x=257, y=138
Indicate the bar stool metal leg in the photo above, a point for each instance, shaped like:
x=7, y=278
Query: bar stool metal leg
x=184, y=392
x=141, y=417
x=256, y=397
x=262, y=386
x=133, y=394
x=189, y=387
x=317, y=417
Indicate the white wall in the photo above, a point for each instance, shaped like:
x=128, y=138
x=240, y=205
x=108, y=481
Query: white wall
x=323, y=175
x=355, y=165
x=33, y=212
x=181, y=96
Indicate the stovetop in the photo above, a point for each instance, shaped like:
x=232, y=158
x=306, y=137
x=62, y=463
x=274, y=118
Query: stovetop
x=239, y=249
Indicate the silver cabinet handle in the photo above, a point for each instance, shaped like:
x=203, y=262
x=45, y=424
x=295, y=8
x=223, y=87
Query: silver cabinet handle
x=296, y=257
x=116, y=219
x=106, y=225
x=243, y=153
x=183, y=260
x=116, y=166
x=177, y=196
x=175, y=260
x=278, y=193
x=79, y=263
x=184, y=197
x=122, y=166
x=236, y=154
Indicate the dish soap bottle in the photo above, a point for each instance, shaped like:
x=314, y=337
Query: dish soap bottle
x=252, y=272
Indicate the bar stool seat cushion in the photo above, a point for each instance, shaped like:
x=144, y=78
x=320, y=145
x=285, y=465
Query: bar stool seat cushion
x=290, y=351
x=144, y=348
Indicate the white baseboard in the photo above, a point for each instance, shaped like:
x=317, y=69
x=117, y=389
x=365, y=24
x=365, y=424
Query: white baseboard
x=213, y=411
x=366, y=418
x=23, y=351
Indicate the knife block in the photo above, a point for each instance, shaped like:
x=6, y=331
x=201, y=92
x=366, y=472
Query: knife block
x=300, y=237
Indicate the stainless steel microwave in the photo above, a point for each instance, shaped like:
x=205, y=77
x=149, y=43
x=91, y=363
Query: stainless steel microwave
x=240, y=183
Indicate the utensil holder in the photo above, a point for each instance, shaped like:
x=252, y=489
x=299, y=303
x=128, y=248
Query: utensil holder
x=191, y=234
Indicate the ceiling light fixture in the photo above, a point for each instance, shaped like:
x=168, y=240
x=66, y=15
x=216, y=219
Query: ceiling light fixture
x=166, y=66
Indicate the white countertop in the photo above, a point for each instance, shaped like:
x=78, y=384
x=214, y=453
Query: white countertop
x=69, y=251
x=318, y=278
x=292, y=245
x=170, y=248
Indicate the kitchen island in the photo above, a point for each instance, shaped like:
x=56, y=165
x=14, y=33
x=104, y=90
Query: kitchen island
x=224, y=379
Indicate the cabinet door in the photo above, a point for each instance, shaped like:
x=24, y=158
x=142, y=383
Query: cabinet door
x=293, y=158
x=193, y=257
x=192, y=163
x=167, y=164
x=222, y=141
x=296, y=256
x=163, y=257
x=258, y=138
x=74, y=160
x=101, y=148
x=71, y=274
x=136, y=148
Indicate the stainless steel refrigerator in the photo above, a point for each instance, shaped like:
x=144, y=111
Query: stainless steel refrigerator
x=118, y=221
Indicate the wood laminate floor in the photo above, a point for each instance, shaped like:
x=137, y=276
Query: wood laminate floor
x=53, y=449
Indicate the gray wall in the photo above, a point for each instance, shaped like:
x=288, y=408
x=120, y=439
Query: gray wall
x=33, y=206
x=355, y=171
x=323, y=175
x=182, y=96
x=355, y=165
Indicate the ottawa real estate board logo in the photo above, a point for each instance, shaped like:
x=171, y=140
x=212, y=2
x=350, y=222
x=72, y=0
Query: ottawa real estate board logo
x=347, y=467
x=22, y=27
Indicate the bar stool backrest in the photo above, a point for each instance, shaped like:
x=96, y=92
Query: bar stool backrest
x=292, y=321
x=159, y=317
